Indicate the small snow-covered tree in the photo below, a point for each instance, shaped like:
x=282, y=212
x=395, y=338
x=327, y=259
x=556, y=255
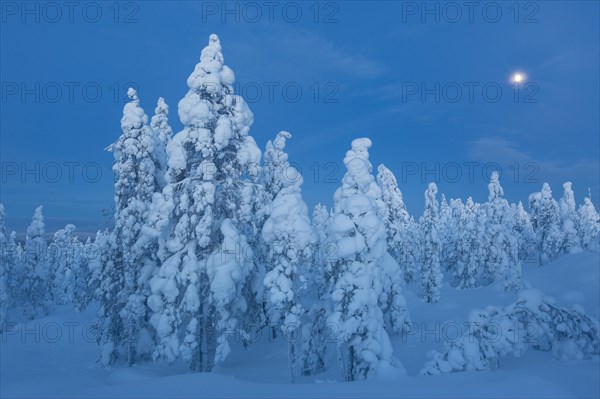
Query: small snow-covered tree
x=66, y=263
x=456, y=210
x=523, y=230
x=289, y=236
x=96, y=253
x=314, y=344
x=360, y=236
x=470, y=246
x=447, y=235
x=502, y=258
x=548, y=230
x=411, y=253
x=589, y=226
x=319, y=275
x=314, y=330
x=400, y=227
x=5, y=269
x=569, y=221
x=162, y=137
x=12, y=265
x=431, y=275
x=35, y=278
x=200, y=294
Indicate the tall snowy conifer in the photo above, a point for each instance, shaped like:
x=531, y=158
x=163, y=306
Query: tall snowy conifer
x=198, y=293
x=360, y=236
x=290, y=239
x=402, y=244
x=124, y=282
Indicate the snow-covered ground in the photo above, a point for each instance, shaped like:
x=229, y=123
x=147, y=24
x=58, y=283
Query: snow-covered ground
x=56, y=356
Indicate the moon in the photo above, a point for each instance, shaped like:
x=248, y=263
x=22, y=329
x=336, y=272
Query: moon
x=518, y=77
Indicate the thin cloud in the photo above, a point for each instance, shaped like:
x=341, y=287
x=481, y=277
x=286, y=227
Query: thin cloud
x=507, y=153
x=311, y=55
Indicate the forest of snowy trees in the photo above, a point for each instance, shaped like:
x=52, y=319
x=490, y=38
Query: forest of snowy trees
x=212, y=238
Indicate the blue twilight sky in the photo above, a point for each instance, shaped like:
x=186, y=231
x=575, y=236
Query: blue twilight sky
x=392, y=71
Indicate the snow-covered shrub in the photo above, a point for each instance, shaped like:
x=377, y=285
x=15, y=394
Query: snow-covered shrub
x=495, y=333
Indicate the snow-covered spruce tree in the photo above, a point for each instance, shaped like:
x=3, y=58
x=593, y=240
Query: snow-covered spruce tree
x=569, y=221
x=495, y=333
x=400, y=227
x=314, y=340
x=447, y=235
x=318, y=279
x=85, y=283
x=5, y=269
x=289, y=236
x=456, y=210
x=391, y=300
x=198, y=295
x=124, y=286
x=502, y=258
x=96, y=254
x=276, y=175
x=589, y=226
x=534, y=209
x=549, y=235
x=431, y=275
x=523, y=230
x=65, y=262
x=163, y=133
x=469, y=246
x=35, y=277
x=359, y=233
x=411, y=251
x=319, y=275
x=12, y=260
